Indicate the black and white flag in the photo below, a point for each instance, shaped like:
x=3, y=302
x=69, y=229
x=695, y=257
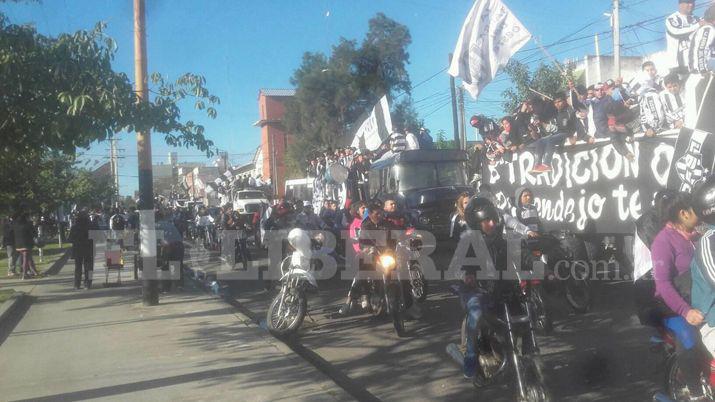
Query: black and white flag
x=376, y=127
x=693, y=159
x=490, y=36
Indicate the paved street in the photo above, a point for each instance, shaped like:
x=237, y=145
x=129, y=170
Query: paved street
x=600, y=356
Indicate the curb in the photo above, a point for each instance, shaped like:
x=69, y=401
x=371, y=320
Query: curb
x=292, y=350
x=249, y=319
x=10, y=306
x=57, y=265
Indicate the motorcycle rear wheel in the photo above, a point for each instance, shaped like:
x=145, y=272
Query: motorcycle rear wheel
x=297, y=306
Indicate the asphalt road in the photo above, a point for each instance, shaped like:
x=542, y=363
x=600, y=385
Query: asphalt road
x=602, y=355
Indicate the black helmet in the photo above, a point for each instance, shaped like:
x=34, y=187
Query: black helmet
x=704, y=200
x=481, y=209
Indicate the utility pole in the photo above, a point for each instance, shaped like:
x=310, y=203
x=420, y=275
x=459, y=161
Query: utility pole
x=150, y=289
x=114, y=166
x=454, y=106
x=462, y=120
x=616, y=38
x=598, y=59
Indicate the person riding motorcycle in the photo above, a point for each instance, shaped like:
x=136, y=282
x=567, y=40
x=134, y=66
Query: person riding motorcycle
x=483, y=219
x=672, y=253
x=703, y=265
x=400, y=221
x=308, y=220
x=233, y=221
x=374, y=222
x=204, y=222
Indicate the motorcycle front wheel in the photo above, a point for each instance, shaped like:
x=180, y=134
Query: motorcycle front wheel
x=534, y=387
x=542, y=319
x=290, y=318
x=418, y=283
x=398, y=317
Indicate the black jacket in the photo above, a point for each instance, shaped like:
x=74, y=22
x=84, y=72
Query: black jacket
x=79, y=233
x=8, y=237
x=368, y=240
x=24, y=234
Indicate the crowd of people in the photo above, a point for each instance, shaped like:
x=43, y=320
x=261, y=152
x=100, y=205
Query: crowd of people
x=613, y=109
x=338, y=174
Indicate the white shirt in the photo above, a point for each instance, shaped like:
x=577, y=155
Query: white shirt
x=678, y=29
x=205, y=220
x=673, y=107
x=702, y=50
x=398, y=143
x=412, y=141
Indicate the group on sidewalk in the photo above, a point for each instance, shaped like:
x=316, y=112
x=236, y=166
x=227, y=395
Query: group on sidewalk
x=19, y=241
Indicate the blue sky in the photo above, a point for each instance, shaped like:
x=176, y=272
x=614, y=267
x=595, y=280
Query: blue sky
x=241, y=46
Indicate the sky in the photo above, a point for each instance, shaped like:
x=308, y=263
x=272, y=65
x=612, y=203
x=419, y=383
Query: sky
x=241, y=46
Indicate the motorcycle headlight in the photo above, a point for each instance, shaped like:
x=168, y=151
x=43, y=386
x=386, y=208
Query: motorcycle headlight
x=387, y=261
x=423, y=220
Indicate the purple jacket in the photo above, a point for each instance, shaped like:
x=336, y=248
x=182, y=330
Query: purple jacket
x=671, y=254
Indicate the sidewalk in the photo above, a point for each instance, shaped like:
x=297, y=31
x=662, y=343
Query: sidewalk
x=103, y=344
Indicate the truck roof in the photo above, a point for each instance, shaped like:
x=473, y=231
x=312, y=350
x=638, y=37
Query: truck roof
x=420, y=155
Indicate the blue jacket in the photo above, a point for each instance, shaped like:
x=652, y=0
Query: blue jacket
x=702, y=270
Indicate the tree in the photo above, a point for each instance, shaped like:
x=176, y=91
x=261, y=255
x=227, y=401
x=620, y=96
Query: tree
x=88, y=189
x=404, y=115
x=61, y=93
x=547, y=79
x=333, y=91
x=441, y=141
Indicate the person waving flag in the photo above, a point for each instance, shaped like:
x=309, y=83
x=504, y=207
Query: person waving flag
x=490, y=36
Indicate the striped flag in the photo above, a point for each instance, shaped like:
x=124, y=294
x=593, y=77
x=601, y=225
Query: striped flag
x=490, y=36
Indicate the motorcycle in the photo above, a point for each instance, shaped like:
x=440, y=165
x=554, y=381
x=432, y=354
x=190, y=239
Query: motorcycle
x=385, y=294
x=210, y=241
x=567, y=269
x=288, y=309
x=676, y=389
x=499, y=350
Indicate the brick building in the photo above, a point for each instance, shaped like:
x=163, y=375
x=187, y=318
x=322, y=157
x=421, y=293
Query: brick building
x=274, y=139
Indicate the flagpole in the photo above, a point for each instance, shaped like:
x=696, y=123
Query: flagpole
x=549, y=56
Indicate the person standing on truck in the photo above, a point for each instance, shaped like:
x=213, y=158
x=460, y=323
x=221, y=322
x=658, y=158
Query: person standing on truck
x=679, y=26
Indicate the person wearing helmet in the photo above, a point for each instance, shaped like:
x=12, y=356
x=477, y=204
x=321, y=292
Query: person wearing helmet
x=703, y=266
x=483, y=218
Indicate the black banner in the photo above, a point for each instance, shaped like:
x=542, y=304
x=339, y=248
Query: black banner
x=591, y=187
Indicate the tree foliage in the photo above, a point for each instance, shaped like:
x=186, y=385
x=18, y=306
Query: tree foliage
x=441, y=141
x=333, y=91
x=546, y=79
x=53, y=179
x=60, y=94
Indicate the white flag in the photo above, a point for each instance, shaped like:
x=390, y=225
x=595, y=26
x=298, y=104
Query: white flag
x=490, y=36
x=375, y=128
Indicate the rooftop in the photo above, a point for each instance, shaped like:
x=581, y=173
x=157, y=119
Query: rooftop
x=277, y=92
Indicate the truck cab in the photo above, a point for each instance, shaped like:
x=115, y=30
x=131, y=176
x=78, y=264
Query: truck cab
x=424, y=182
